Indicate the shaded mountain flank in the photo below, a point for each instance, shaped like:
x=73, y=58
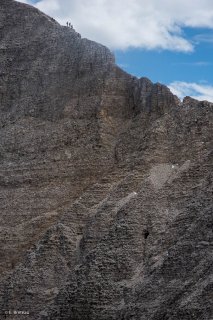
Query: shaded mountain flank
x=105, y=183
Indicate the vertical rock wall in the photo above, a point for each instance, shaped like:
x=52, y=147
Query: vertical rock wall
x=105, y=183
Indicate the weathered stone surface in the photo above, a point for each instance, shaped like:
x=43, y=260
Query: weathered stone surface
x=105, y=183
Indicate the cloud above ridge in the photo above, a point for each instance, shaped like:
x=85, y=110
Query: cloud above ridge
x=122, y=24
x=195, y=90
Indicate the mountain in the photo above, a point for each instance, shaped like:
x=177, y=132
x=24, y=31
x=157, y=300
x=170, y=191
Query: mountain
x=105, y=183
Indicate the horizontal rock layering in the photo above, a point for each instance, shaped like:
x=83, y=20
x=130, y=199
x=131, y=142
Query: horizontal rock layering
x=105, y=183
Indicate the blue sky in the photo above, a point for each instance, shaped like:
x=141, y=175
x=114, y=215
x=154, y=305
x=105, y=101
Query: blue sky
x=167, y=41
x=166, y=66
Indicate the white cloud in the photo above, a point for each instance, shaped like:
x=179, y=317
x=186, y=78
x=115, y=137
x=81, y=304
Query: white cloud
x=204, y=38
x=120, y=24
x=194, y=64
x=197, y=91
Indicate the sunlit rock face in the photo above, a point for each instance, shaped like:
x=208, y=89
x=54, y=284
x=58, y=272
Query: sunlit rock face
x=105, y=183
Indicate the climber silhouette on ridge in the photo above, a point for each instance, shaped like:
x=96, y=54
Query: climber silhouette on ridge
x=69, y=25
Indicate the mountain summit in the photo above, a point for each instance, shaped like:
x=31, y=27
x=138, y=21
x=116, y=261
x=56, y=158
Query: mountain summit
x=105, y=183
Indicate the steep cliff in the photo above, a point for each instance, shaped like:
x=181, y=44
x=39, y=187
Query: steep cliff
x=105, y=183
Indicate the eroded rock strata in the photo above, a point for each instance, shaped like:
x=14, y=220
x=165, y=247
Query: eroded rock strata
x=105, y=183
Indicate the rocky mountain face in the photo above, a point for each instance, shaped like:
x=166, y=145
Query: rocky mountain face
x=105, y=183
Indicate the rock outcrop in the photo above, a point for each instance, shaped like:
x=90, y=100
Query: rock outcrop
x=105, y=183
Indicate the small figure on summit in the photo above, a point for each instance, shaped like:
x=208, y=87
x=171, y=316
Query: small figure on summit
x=69, y=25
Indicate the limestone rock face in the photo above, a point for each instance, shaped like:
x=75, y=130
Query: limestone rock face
x=105, y=183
